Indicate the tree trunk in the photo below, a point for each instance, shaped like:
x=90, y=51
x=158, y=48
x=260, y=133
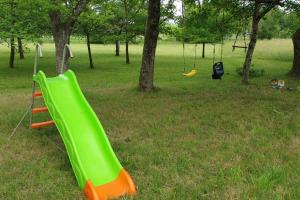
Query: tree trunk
x=89, y=49
x=117, y=48
x=12, y=37
x=126, y=31
x=261, y=8
x=250, y=51
x=203, y=50
x=253, y=38
x=295, y=71
x=12, y=53
x=150, y=43
x=61, y=37
x=127, y=52
x=62, y=25
x=20, y=47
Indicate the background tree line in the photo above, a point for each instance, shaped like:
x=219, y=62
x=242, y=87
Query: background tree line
x=129, y=21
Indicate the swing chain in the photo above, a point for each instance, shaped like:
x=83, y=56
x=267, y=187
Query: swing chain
x=195, y=55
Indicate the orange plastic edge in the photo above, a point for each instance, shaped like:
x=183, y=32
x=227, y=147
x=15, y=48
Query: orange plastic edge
x=121, y=186
x=42, y=124
x=37, y=94
x=37, y=110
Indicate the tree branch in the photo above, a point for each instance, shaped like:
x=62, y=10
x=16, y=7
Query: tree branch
x=79, y=8
x=264, y=12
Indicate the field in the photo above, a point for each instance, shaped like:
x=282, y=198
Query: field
x=192, y=138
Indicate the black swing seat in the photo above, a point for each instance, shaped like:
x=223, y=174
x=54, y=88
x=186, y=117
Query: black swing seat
x=218, y=70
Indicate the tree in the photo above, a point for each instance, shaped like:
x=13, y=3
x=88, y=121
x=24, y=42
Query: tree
x=21, y=49
x=295, y=71
x=134, y=20
x=18, y=23
x=296, y=63
x=63, y=15
x=273, y=25
x=9, y=26
x=123, y=20
x=207, y=21
x=12, y=37
x=89, y=49
x=116, y=22
x=200, y=22
x=259, y=9
x=87, y=24
x=150, y=43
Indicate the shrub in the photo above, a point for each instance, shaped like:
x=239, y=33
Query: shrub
x=252, y=72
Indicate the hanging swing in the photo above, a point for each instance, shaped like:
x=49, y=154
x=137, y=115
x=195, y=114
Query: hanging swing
x=193, y=72
x=218, y=67
x=243, y=23
x=244, y=46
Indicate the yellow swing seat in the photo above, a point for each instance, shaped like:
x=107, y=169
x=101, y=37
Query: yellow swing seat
x=191, y=73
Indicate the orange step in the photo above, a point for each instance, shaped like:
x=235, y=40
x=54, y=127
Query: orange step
x=37, y=94
x=42, y=124
x=38, y=110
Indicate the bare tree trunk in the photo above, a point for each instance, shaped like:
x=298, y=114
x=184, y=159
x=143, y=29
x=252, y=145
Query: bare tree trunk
x=62, y=25
x=12, y=37
x=252, y=43
x=127, y=52
x=126, y=31
x=203, y=50
x=61, y=35
x=150, y=43
x=12, y=53
x=295, y=71
x=20, y=47
x=261, y=8
x=61, y=38
x=250, y=51
x=117, y=48
x=89, y=49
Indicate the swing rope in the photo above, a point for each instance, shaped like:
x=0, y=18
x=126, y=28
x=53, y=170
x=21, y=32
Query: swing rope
x=222, y=49
x=195, y=55
x=221, y=29
x=214, y=53
x=183, y=38
x=183, y=55
x=20, y=122
x=222, y=34
x=243, y=23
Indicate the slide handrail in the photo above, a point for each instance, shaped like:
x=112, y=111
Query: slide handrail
x=66, y=47
x=38, y=54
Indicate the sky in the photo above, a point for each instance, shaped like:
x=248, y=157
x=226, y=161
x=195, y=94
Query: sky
x=178, y=4
x=178, y=7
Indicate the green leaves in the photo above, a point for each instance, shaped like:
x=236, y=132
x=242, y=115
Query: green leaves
x=25, y=19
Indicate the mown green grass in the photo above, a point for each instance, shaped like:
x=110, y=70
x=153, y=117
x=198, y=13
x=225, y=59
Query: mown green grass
x=190, y=139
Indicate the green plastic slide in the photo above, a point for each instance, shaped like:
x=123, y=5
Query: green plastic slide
x=91, y=155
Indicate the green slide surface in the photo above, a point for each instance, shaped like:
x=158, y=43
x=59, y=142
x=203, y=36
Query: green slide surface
x=90, y=153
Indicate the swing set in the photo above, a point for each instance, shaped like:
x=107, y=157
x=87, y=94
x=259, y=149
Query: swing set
x=218, y=67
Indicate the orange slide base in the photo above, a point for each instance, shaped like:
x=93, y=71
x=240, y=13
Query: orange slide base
x=121, y=186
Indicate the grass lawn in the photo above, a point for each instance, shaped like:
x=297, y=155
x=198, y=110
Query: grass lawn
x=193, y=138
